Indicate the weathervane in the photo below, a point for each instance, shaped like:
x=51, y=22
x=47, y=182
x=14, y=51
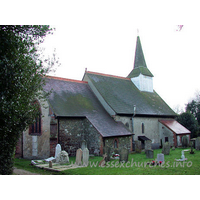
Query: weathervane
x=137, y=32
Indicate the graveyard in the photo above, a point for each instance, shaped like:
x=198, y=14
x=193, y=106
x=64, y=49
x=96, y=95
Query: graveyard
x=136, y=164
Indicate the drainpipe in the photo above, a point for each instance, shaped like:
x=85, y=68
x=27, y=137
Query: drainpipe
x=134, y=112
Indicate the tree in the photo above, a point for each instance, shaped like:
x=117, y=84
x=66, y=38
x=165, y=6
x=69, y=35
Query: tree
x=194, y=108
x=188, y=120
x=21, y=77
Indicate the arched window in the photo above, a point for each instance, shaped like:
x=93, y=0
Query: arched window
x=142, y=127
x=36, y=127
x=115, y=143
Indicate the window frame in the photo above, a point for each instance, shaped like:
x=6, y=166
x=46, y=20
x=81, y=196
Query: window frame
x=35, y=129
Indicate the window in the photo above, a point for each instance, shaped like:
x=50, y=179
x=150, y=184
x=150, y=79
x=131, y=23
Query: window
x=35, y=128
x=143, y=128
x=115, y=143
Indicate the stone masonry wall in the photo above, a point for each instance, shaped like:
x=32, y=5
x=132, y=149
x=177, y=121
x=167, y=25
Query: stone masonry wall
x=124, y=141
x=41, y=142
x=72, y=131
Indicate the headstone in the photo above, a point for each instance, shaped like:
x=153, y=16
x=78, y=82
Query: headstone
x=123, y=154
x=191, y=146
x=83, y=145
x=149, y=153
x=34, y=146
x=58, y=150
x=96, y=152
x=160, y=157
x=138, y=146
x=107, y=151
x=50, y=164
x=184, y=141
x=62, y=157
x=166, y=148
x=85, y=157
x=79, y=154
x=197, y=143
x=147, y=144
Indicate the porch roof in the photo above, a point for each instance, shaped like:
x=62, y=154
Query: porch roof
x=174, y=126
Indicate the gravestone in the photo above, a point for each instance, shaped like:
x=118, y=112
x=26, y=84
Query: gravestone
x=197, y=143
x=123, y=154
x=191, y=146
x=34, y=146
x=147, y=144
x=62, y=157
x=138, y=146
x=107, y=152
x=166, y=148
x=83, y=145
x=79, y=154
x=160, y=157
x=50, y=164
x=96, y=152
x=58, y=150
x=85, y=157
x=149, y=153
x=184, y=141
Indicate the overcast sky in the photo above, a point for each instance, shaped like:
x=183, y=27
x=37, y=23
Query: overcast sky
x=102, y=38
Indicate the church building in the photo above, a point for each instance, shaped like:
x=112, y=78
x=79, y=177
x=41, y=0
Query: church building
x=102, y=110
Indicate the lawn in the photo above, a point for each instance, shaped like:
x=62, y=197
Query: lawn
x=135, y=166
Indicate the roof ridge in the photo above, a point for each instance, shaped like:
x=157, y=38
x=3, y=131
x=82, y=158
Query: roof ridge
x=65, y=79
x=113, y=76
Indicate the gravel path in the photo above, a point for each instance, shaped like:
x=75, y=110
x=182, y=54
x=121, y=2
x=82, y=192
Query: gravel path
x=22, y=172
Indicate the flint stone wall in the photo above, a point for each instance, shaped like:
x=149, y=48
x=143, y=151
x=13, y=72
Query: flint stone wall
x=72, y=131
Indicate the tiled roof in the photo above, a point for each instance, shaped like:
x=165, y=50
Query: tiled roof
x=174, y=126
x=121, y=95
x=70, y=98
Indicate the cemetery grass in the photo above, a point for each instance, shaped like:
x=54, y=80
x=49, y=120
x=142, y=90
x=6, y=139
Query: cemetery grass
x=135, y=166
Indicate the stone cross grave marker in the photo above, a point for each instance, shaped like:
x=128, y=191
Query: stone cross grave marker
x=166, y=148
x=79, y=154
x=123, y=154
x=107, y=152
x=102, y=163
x=138, y=146
x=197, y=143
x=149, y=153
x=85, y=157
x=160, y=157
x=58, y=150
